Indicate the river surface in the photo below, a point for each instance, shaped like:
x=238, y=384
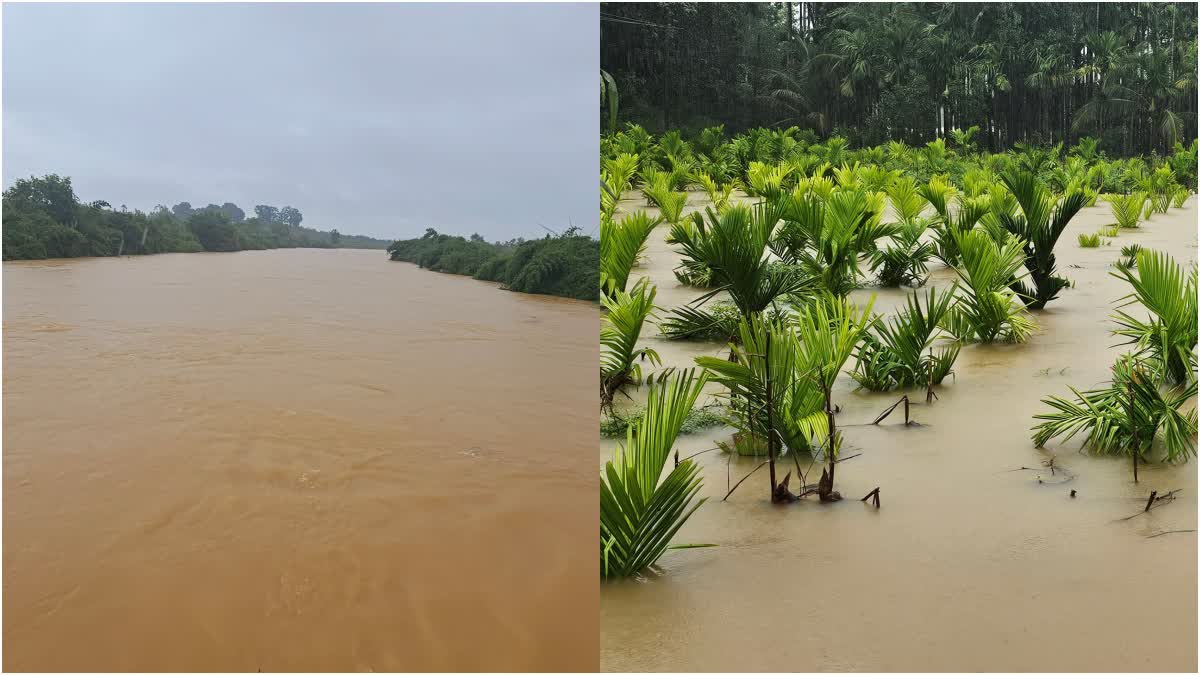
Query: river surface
x=971, y=563
x=295, y=460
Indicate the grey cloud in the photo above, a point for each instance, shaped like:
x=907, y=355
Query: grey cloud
x=375, y=119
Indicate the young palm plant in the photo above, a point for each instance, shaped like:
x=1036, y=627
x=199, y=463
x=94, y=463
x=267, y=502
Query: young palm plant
x=1039, y=225
x=900, y=354
x=1125, y=417
x=619, y=353
x=639, y=513
x=829, y=330
x=1168, y=336
x=906, y=260
x=794, y=407
x=622, y=242
x=1127, y=209
x=733, y=246
x=988, y=310
x=824, y=238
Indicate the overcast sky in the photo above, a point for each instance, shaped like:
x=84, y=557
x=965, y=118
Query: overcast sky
x=374, y=119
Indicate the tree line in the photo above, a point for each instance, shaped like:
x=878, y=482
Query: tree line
x=1038, y=73
x=43, y=218
x=564, y=265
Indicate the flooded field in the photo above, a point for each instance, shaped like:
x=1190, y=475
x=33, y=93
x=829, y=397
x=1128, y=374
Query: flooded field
x=294, y=460
x=970, y=563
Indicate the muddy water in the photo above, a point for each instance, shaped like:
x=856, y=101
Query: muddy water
x=294, y=460
x=968, y=565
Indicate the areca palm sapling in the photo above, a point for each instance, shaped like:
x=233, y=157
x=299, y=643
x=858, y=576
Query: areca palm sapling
x=622, y=242
x=1179, y=198
x=971, y=211
x=824, y=238
x=622, y=170
x=829, y=331
x=766, y=180
x=733, y=245
x=1127, y=208
x=905, y=261
x=1040, y=223
x=640, y=511
x=689, y=231
x=988, y=310
x=1126, y=416
x=1169, y=334
x=718, y=194
x=619, y=353
x=654, y=182
x=900, y=353
x=794, y=408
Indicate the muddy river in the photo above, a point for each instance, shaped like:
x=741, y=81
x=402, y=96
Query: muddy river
x=969, y=564
x=295, y=460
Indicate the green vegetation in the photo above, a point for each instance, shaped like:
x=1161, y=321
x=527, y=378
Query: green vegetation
x=1127, y=209
x=1002, y=74
x=639, y=514
x=1148, y=396
x=44, y=219
x=1168, y=336
x=563, y=265
x=619, y=353
x=616, y=423
x=898, y=354
x=1089, y=240
x=899, y=138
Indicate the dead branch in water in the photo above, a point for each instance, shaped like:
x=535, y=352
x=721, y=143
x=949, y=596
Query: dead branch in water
x=883, y=415
x=1154, y=501
x=743, y=480
x=1159, y=534
x=872, y=494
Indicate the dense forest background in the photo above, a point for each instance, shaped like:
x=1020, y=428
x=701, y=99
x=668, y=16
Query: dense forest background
x=565, y=265
x=1040, y=73
x=43, y=218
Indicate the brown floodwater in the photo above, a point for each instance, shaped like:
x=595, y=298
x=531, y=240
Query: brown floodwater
x=969, y=565
x=295, y=460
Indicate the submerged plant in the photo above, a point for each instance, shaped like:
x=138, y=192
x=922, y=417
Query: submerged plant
x=619, y=354
x=1127, y=416
x=1041, y=221
x=639, y=514
x=906, y=260
x=1168, y=335
x=1179, y=198
x=733, y=244
x=1127, y=208
x=899, y=353
x=824, y=237
x=989, y=310
x=621, y=244
x=1089, y=240
x=1129, y=255
x=829, y=331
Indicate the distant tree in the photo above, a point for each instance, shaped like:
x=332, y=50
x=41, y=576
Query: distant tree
x=335, y=237
x=477, y=237
x=430, y=233
x=291, y=215
x=214, y=231
x=51, y=194
x=183, y=210
x=231, y=210
x=267, y=214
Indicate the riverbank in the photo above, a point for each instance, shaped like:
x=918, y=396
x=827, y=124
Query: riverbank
x=565, y=265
